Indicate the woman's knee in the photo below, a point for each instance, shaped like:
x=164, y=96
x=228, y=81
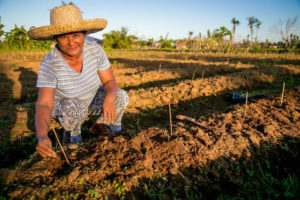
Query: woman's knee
x=122, y=97
x=73, y=108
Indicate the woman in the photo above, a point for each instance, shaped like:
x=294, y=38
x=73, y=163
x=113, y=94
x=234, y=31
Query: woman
x=70, y=77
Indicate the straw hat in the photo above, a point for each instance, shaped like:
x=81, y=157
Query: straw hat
x=66, y=19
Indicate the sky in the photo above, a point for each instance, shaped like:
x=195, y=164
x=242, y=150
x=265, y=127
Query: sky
x=155, y=18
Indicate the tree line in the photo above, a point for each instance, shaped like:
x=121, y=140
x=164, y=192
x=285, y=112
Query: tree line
x=17, y=40
x=220, y=39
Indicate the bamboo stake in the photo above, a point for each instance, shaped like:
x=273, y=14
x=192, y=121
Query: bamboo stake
x=170, y=114
x=246, y=104
x=283, y=86
x=61, y=147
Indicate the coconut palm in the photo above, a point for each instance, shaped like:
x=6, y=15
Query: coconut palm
x=190, y=34
x=257, y=25
x=1, y=31
x=234, y=22
x=251, y=21
x=220, y=33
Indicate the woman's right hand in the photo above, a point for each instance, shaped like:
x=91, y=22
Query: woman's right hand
x=44, y=147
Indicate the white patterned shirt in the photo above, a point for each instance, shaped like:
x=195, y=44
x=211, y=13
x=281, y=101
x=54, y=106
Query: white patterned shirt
x=54, y=72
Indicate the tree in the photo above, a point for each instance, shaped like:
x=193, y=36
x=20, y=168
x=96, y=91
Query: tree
x=251, y=22
x=286, y=30
x=234, y=22
x=1, y=31
x=150, y=42
x=165, y=42
x=220, y=33
x=208, y=34
x=119, y=39
x=17, y=39
x=257, y=26
x=190, y=34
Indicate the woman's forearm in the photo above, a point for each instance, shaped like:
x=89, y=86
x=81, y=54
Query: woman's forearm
x=42, y=120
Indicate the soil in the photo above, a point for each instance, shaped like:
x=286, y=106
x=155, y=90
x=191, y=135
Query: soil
x=149, y=161
x=185, y=157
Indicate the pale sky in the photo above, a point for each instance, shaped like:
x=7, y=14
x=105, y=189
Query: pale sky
x=155, y=18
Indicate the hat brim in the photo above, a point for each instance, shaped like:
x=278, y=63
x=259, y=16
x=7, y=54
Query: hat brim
x=49, y=32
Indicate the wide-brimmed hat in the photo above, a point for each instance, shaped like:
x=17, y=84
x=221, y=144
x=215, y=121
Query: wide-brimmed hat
x=66, y=19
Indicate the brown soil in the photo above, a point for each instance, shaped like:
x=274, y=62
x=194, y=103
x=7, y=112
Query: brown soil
x=185, y=158
x=146, y=160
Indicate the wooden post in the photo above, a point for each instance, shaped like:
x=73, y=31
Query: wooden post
x=246, y=104
x=170, y=114
x=61, y=147
x=283, y=86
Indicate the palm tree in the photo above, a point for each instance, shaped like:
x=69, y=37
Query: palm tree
x=190, y=34
x=251, y=21
x=220, y=33
x=208, y=34
x=257, y=25
x=234, y=22
x=1, y=31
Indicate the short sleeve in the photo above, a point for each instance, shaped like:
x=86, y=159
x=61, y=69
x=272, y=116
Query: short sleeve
x=103, y=62
x=46, y=75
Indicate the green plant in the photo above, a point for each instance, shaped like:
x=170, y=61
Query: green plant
x=291, y=186
x=119, y=39
x=80, y=181
x=239, y=63
x=157, y=191
x=120, y=189
x=4, y=124
x=194, y=74
x=93, y=193
x=202, y=74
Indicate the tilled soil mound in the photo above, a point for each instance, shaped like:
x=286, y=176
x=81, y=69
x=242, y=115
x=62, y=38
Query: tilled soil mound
x=212, y=159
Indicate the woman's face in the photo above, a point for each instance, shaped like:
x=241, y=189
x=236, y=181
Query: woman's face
x=71, y=44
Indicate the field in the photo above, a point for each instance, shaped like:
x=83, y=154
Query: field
x=236, y=151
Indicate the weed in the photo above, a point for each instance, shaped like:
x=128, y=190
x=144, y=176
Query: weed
x=157, y=191
x=194, y=74
x=263, y=63
x=274, y=71
x=80, y=181
x=19, y=125
x=202, y=74
x=120, y=189
x=4, y=124
x=285, y=147
x=193, y=196
x=291, y=186
x=93, y=193
x=105, y=184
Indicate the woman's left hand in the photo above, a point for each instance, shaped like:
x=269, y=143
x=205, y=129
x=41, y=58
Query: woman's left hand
x=109, y=109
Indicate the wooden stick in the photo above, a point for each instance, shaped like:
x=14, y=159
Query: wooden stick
x=246, y=104
x=170, y=114
x=183, y=117
x=61, y=147
x=281, y=101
